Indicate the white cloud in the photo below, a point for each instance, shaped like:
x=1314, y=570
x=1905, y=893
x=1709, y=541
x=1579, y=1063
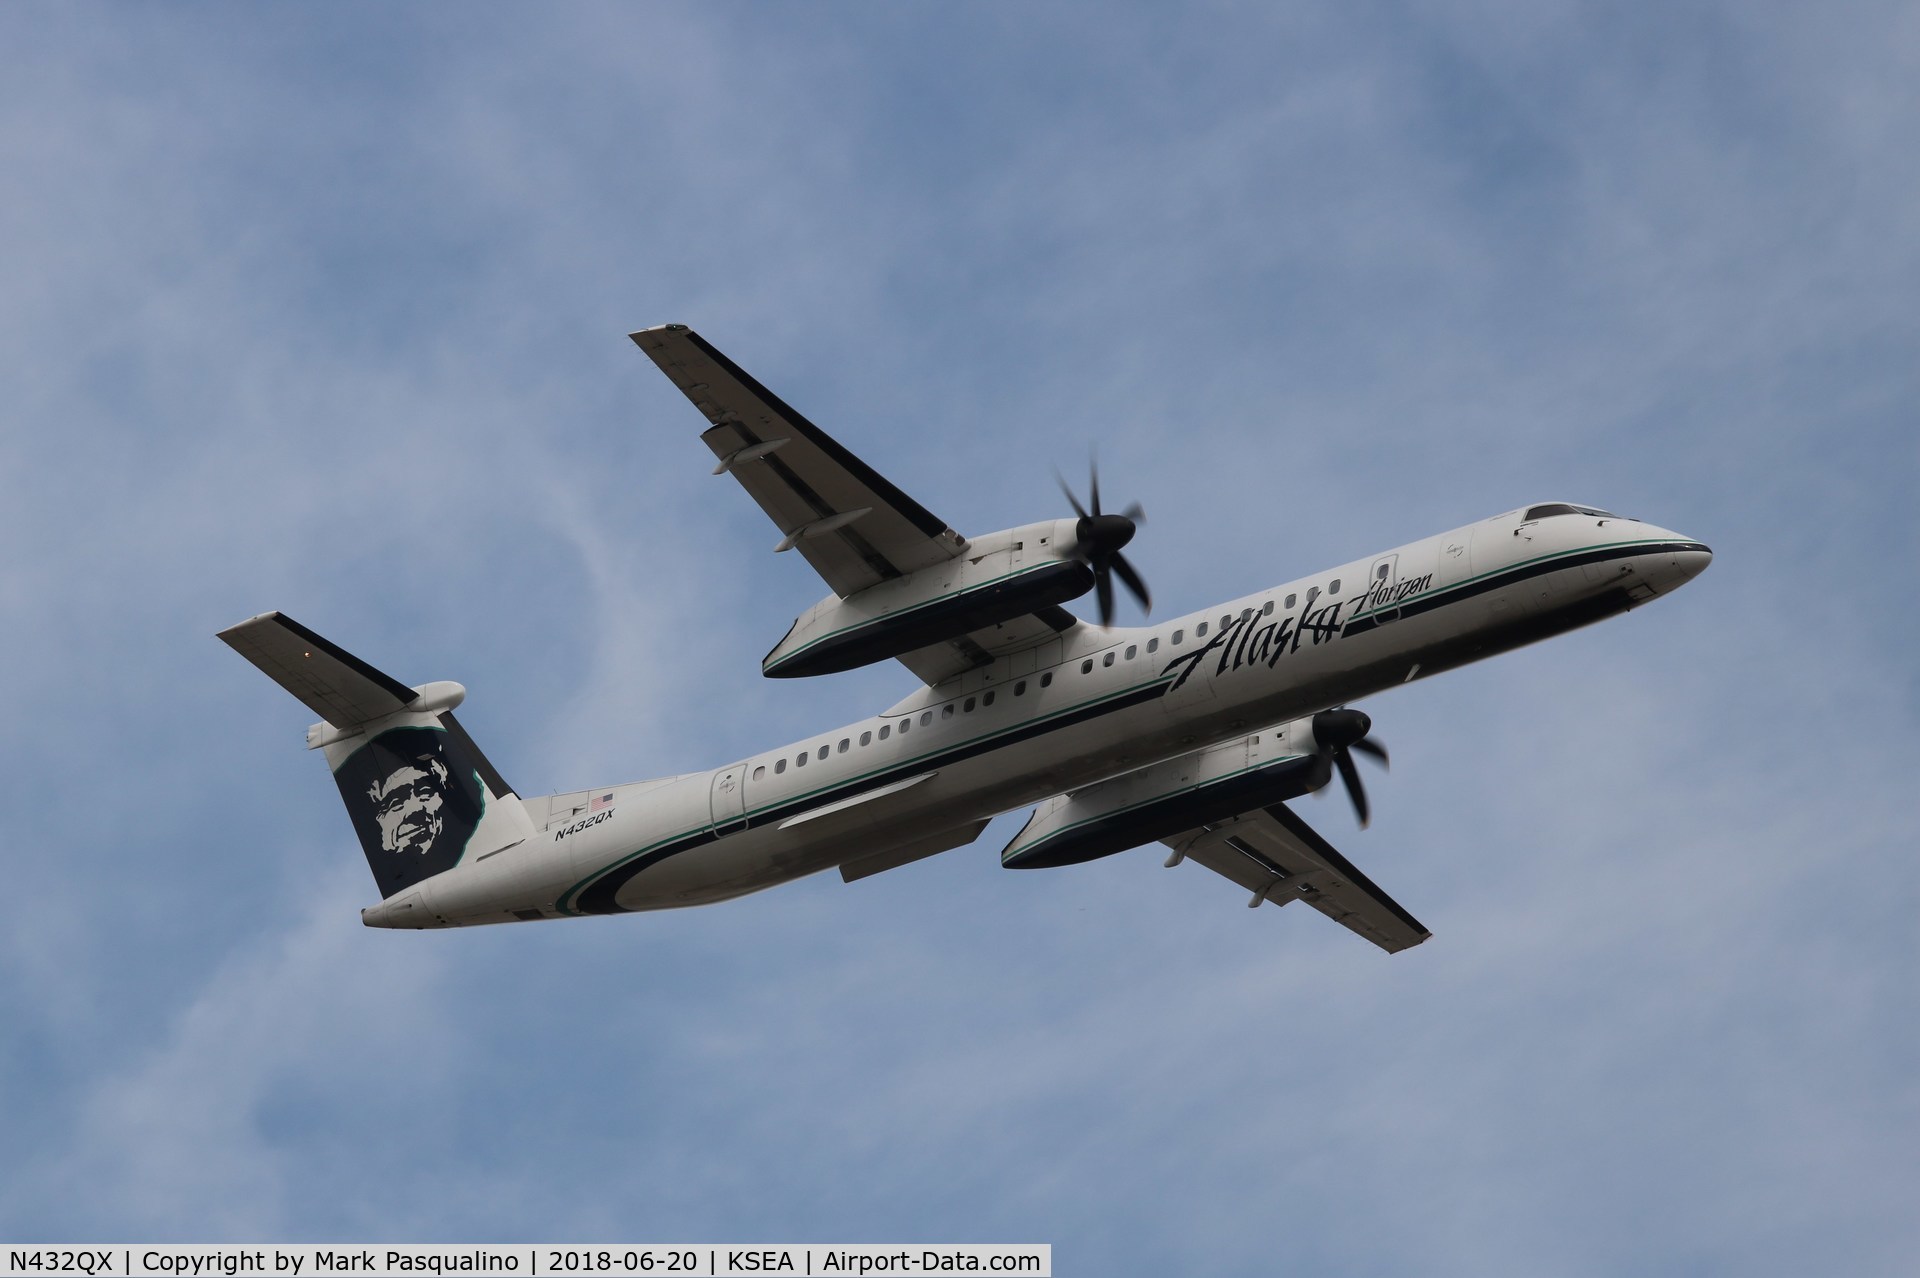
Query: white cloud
x=297, y=308
x=176, y=1136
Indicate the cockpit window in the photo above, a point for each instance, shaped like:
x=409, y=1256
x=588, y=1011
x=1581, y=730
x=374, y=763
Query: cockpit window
x=1562, y=508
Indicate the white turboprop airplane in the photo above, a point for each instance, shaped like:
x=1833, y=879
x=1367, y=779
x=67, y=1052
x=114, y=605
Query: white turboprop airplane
x=1195, y=732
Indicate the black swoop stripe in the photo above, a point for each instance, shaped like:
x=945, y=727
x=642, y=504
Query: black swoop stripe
x=599, y=896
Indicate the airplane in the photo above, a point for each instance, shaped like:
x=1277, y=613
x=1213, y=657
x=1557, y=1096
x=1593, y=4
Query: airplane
x=1194, y=732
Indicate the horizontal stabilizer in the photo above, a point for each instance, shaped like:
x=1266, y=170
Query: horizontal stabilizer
x=328, y=680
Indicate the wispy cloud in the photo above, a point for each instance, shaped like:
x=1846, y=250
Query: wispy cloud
x=327, y=314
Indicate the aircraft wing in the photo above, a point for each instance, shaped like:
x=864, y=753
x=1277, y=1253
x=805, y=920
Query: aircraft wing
x=850, y=523
x=1273, y=853
x=847, y=519
x=936, y=663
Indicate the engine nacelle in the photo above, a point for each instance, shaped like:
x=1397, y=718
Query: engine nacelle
x=1221, y=781
x=1002, y=575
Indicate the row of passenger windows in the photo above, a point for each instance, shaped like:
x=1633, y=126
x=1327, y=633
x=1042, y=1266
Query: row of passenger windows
x=969, y=704
x=1179, y=637
x=886, y=730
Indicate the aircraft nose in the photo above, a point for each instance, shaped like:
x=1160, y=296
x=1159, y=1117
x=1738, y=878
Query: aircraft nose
x=1674, y=563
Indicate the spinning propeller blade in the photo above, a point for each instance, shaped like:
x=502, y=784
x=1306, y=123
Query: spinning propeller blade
x=1098, y=539
x=1338, y=733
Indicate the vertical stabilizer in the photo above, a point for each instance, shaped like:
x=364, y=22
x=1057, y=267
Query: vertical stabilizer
x=421, y=795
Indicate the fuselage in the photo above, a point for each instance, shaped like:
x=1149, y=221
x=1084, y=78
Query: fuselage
x=1090, y=704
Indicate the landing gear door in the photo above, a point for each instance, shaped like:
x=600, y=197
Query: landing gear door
x=729, y=799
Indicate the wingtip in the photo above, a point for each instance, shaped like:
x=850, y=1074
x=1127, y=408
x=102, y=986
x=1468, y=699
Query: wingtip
x=239, y=626
x=639, y=335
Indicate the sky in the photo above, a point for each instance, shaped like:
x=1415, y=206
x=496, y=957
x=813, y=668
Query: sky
x=323, y=309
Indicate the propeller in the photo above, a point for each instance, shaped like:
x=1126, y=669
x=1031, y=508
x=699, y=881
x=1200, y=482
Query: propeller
x=1098, y=539
x=1339, y=733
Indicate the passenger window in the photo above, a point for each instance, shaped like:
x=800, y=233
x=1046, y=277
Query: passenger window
x=1132, y=652
x=1046, y=680
x=800, y=762
x=1226, y=619
x=986, y=698
x=759, y=772
x=1266, y=609
x=1245, y=613
x=779, y=766
x=1107, y=660
x=885, y=729
x=1291, y=599
x=1086, y=667
x=1333, y=588
x=946, y=711
x=823, y=753
x=866, y=738
x=1380, y=573
x=1200, y=631
x=968, y=706
x=1153, y=645
x=1178, y=635
x=1020, y=689
x=926, y=717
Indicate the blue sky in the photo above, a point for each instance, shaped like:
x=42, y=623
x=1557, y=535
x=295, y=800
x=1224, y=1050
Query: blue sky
x=323, y=309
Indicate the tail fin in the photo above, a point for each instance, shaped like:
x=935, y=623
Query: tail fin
x=421, y=795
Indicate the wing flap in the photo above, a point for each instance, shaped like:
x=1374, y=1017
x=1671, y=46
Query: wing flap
x=1278, y=857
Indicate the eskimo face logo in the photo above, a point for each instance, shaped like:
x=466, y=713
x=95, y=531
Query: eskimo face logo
x=415, y=801
x=410, y=804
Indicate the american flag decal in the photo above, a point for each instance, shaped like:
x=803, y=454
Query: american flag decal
x=600, y=801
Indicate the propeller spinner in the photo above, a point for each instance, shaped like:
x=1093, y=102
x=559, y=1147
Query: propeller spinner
x=1098, y=539
x=1339, y=733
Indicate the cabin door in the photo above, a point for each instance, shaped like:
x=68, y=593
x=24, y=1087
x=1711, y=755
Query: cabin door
x=1383, y=582
x=729, y=799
